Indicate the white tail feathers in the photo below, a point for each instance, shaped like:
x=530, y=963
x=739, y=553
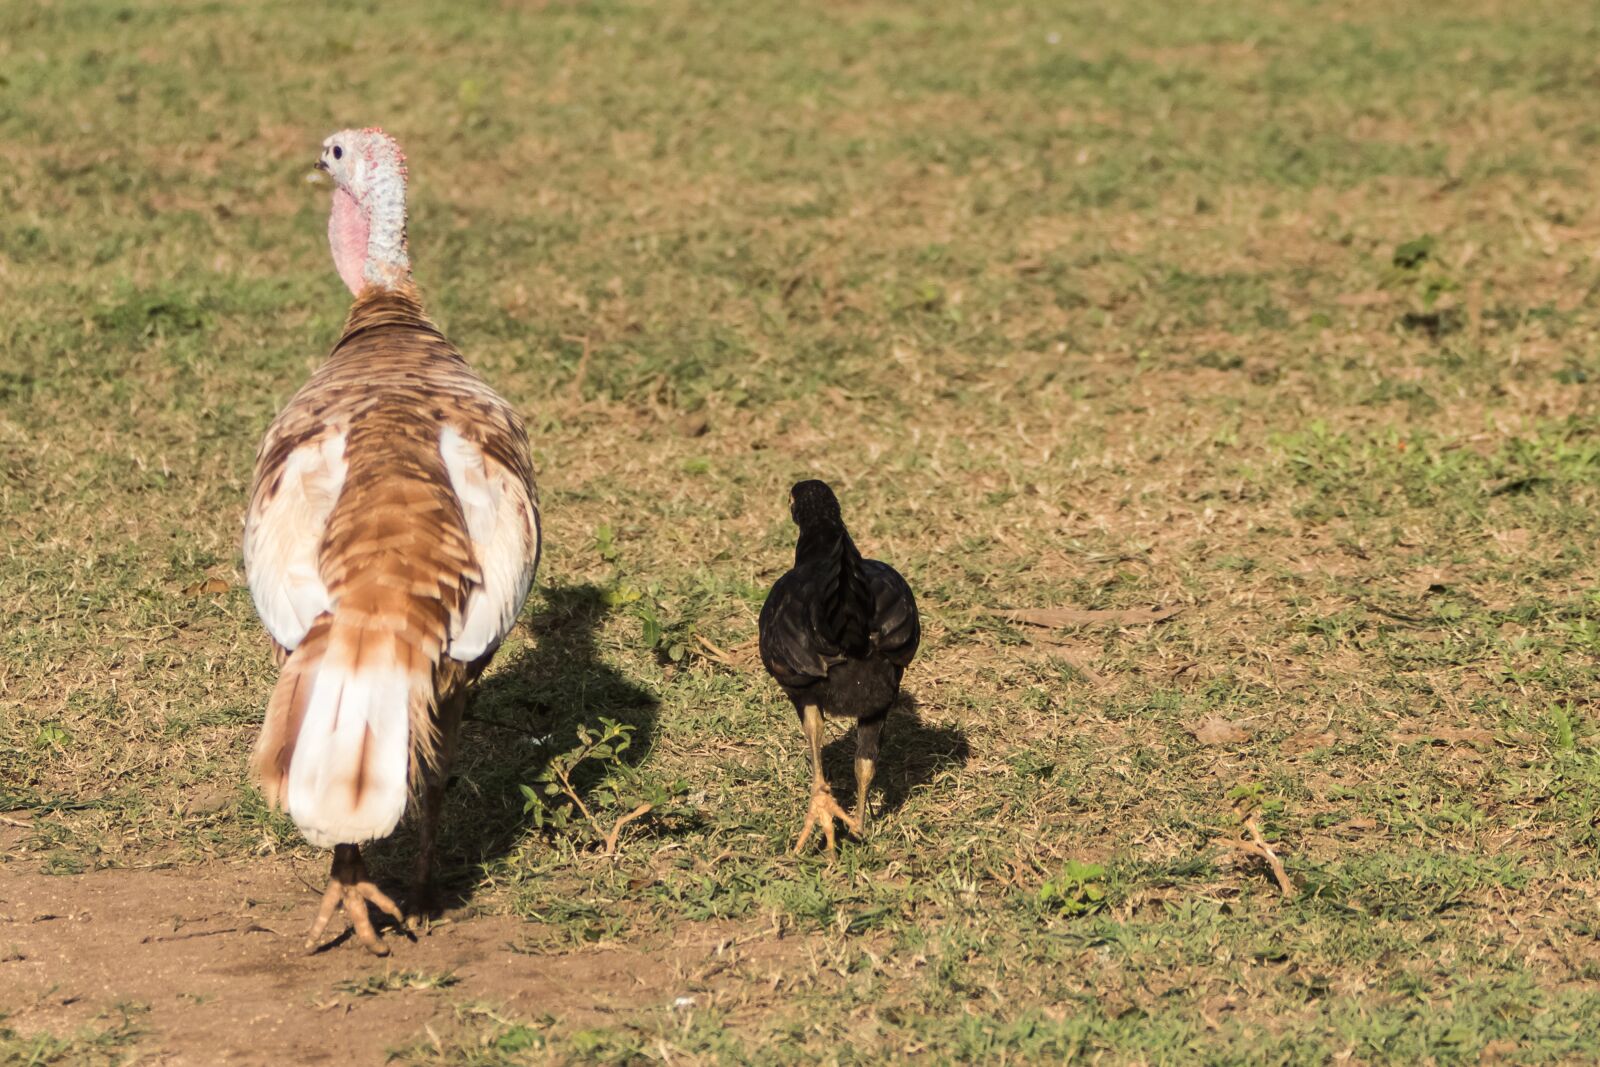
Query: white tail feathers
x=336, y=748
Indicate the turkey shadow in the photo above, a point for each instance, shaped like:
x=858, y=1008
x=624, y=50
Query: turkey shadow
x=911, y=753
x=524, y=712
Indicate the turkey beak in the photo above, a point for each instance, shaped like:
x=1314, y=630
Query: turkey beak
x=319, y=173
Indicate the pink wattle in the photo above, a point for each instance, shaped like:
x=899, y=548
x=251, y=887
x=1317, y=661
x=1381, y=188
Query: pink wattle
x=347, y=236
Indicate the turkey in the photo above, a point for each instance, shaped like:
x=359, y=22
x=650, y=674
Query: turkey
x=837, y=632
x=391, y=539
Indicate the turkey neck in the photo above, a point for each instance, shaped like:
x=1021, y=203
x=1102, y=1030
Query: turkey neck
x=348, y=232
x=378, y=308
x=368, y=235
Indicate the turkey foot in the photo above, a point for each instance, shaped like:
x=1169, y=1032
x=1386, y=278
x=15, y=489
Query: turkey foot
x=823, y=811
x=348, y=885
x=425, y=904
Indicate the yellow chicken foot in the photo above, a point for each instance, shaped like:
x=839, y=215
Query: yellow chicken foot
x=824, y=809
x=348, y=885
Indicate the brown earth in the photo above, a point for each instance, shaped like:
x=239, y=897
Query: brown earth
x=209, y=961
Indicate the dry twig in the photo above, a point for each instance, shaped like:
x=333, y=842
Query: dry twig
x=568, y=788
x=1058, y=617
x=1257, y=846
x=637, y=813
x=718, y=654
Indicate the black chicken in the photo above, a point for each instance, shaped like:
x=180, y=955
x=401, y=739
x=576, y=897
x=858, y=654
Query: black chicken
x=837, y=632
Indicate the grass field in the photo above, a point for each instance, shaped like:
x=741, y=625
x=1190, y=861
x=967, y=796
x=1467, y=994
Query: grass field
x=1280, y=312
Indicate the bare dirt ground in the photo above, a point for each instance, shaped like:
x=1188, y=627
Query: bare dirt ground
x=210, y=966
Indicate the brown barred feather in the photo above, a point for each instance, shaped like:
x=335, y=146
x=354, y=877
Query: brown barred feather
x=269, y=762
x=395, y=555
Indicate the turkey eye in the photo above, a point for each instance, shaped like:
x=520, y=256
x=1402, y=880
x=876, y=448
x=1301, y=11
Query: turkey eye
x=338, y=153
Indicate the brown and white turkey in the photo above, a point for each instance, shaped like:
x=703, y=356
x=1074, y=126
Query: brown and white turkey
x=392, y=536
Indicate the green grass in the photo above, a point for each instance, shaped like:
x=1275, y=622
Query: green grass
x=1283, y=311
x=97, y=1045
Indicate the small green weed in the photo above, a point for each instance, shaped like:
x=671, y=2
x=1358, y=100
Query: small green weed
x=1079, y=889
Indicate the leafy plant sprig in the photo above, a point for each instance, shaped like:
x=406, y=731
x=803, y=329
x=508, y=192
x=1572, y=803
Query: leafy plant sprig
x=553, y=798
x=1078, y=890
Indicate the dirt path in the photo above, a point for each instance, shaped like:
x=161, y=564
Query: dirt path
x=214, y=954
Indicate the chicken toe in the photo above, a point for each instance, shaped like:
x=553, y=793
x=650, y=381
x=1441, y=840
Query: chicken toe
x=821, y=815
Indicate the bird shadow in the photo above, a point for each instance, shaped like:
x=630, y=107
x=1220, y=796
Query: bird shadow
x=523, y=713
x=911, y=753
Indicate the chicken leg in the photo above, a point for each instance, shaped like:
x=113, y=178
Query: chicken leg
x=349, y=885
x=824, y=809
x=867, y=737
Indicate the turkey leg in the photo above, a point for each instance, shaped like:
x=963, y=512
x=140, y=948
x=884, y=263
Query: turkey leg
x=348, y=885
x=425, y=902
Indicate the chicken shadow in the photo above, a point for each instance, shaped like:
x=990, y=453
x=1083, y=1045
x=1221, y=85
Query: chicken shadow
x=523, y=713
x=912, y=752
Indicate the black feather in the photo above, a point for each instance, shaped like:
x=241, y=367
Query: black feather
x=837, y=630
